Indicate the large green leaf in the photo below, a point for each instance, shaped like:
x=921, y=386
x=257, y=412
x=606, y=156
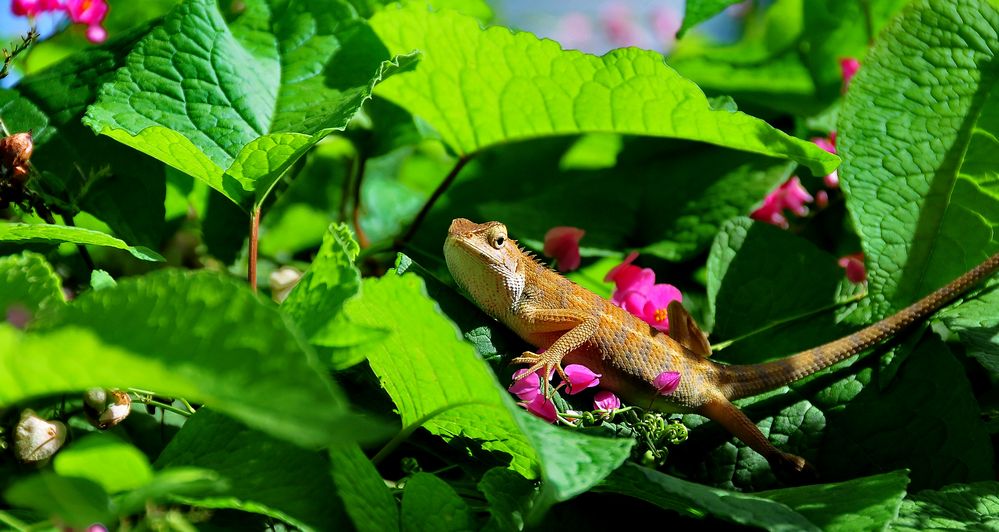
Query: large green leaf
x=430, y=504
x=75, y=501
x=184, y=96
x=755, y=280
x=199, y=336
x=957, y=507
x=977, y=324
x=29, y=281
x=365, y=496
x=673, y=202
x=481, y=87
x=918, y=134
x=77, y=170
x=264, y=475
x=868, y=503
x=35, y=233
x=438, y=381
x=696, y=500
x=107, y=460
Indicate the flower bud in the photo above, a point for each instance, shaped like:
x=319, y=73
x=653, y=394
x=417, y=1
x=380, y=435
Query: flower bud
x=36, y=439
x=106, y=408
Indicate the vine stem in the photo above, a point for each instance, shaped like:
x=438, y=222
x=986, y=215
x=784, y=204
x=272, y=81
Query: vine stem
x=87, y=259
x=438, y=192
x=251, y=267
x=362, y=239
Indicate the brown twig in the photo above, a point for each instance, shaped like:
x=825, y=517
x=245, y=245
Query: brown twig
x=438, y=192
x=251, y=267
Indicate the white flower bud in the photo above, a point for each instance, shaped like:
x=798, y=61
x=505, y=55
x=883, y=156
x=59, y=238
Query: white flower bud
x=106, y=408
x=37, y=439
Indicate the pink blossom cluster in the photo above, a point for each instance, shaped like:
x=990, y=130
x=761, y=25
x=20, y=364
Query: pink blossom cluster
x=88, y=12
x=528, y=389
x=636, y=290
x=562, y=244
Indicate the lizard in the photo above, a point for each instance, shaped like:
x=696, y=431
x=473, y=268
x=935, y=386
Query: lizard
x=568, y=323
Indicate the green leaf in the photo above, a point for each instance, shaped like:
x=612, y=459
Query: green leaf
x=919, y=177
x=696, y=500
x=926, y=420
x=314, y=65
x=105, y=459
x=510, y=497
x=672, y=205
x=198, y=336
x=957, y=507
x=34, y=233
x=170, y=485
x=76, y=502
x=367, y=499
x=698, y=11
x=101, y=280
x=738, y=287
x=533, y=89
x=438, y=381
x=29, y=281
x=977, y=325
x=264, y=475
x=868, y=503
x=430, y=504
x=77, y=170
x=329, y=282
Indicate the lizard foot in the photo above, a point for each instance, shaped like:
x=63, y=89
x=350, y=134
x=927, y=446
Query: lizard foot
x=794, y=469
x=544, y=361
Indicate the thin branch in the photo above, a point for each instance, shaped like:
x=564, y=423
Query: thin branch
x=251, y=267
x=448, y=180
x=8, y=56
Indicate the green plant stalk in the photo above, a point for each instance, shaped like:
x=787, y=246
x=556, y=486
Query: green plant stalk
x=251, y=267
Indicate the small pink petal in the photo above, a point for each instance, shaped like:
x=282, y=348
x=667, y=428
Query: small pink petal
x=25, y=8
x=89, y=12
x=832, y=180
x=667, y=382
x=562, y=244
x=849, y=67
x=605, y=400
x=856, y=272
x=795, y=196
x=825, y=143
x=580, y=378
x=527, y=388
x=96, y=34
x=542, y=407
x=822, y=199
x=613, y=273
x=770, y=211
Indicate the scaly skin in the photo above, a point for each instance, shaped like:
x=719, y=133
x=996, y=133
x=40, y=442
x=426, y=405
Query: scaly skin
x=573, y=325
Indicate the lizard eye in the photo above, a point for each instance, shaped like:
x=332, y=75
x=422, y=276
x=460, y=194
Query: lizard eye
x=499, y=240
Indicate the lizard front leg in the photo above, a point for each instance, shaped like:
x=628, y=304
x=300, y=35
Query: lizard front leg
x=579, y=326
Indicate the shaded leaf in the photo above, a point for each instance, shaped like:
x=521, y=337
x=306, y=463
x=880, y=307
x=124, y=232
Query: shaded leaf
x=430, y=504
x=34, y=233
x=972, y=506
x=366, y=498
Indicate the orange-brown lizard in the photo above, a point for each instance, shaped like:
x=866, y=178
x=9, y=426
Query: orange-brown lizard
x=573, y=325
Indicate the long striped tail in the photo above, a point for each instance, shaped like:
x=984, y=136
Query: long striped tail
x=739, y=381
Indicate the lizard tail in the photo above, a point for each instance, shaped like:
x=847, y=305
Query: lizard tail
x=739, y=381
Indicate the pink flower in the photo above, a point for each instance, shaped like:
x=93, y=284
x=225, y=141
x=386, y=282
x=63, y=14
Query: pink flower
x=791, y=195
x=575, y=30
x=91, y=13
x=849, y=66
x=562, y=244
x=605, y=400
x=822, y=199
x=527, y=388
x=636, y=291
x=542, y=407
x=620, y=26
x=855, y=270
x=580, y=378
x=667, y=382
x=25, y=8
x=665, y=23
x=829, y=144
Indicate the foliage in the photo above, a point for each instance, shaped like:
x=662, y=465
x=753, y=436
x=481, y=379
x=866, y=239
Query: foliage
x=253, y=198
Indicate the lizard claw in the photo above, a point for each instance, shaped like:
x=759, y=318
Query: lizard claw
x=541, y=361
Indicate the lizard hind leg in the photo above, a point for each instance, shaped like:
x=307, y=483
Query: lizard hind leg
x=787, y=465
x=578, y=327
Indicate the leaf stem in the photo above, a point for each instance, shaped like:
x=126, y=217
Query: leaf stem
x=8, y=56
x=445, y=184
x=362, y=239
x=84, y=254
x=251, y=267
x=147, y=400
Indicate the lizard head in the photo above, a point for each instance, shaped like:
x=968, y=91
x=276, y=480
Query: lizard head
x=486, y=263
